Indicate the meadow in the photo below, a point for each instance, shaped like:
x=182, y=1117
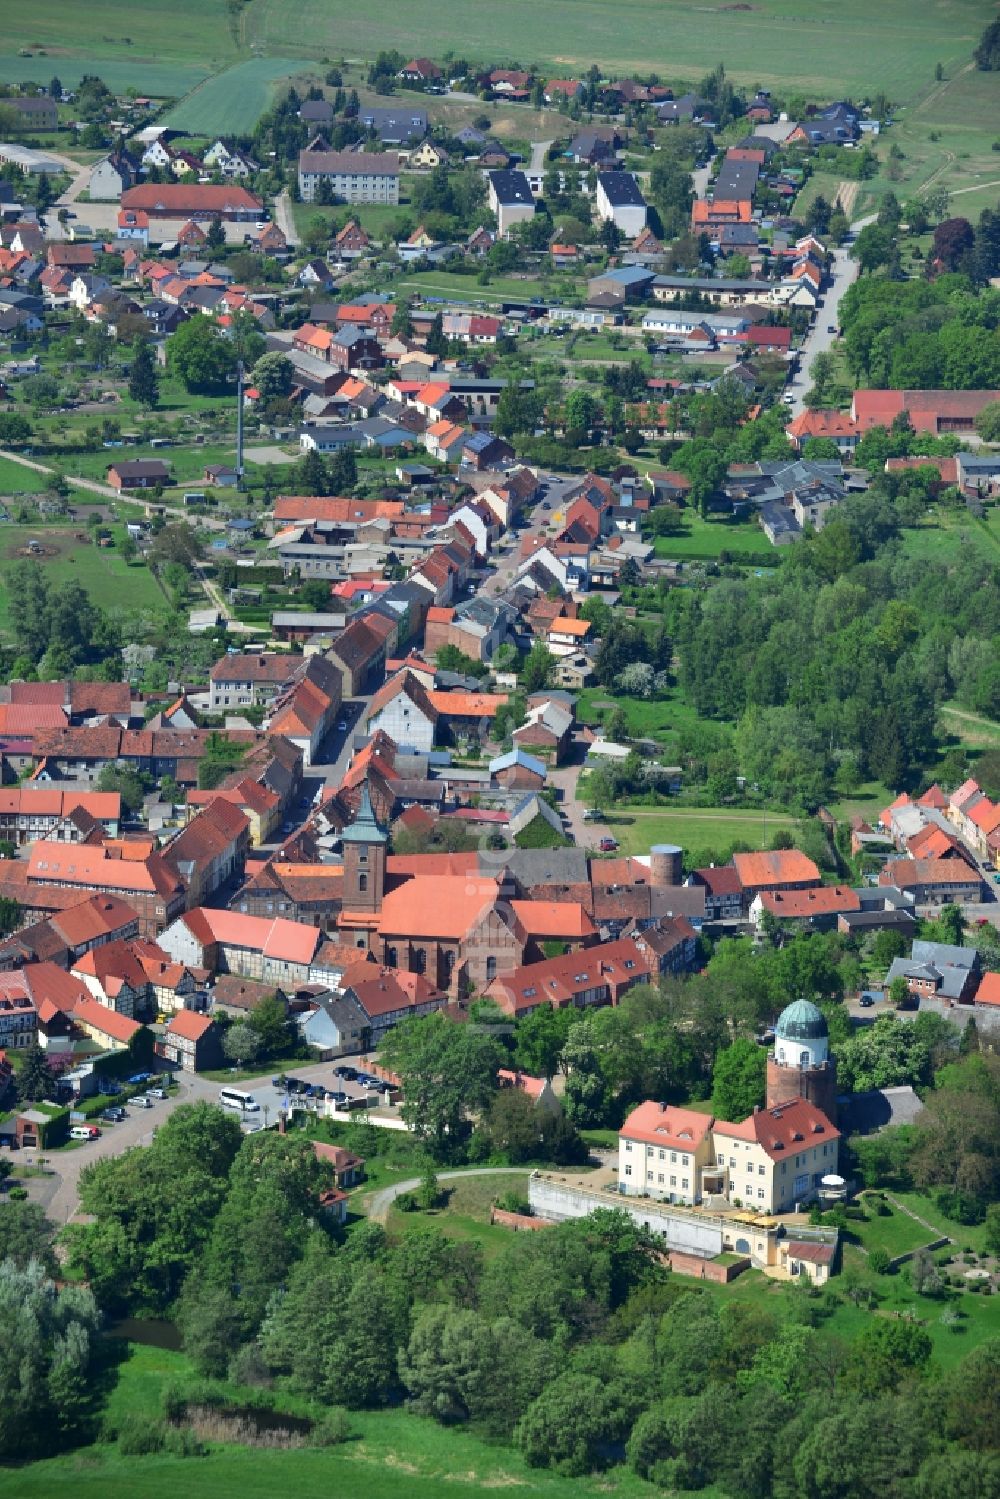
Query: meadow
x=101, y=570
x=637, y=828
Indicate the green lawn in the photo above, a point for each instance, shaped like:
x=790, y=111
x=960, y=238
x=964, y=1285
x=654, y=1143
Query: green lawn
x=705, y=540
x=947, y=535
x=637, y=828
x=466, y=1214
x=101, y=570
x=867, y=801
x=896, y=1234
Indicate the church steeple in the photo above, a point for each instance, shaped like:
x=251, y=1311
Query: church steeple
x=364, y=842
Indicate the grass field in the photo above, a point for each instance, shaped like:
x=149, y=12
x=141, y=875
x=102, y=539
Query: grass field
x=232, y=102
x=100, y=570
x=466, y=1214
x=161, y=80
x=705, y=540
x=636, y=828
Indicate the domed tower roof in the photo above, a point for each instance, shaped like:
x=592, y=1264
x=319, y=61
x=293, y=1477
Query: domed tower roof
x=801, y=1021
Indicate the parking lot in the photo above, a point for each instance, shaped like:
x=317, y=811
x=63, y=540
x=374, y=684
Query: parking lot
x=316, y=1083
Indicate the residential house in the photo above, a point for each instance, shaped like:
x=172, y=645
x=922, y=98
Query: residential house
x=138, y=473
x=192, y=1041
x=547, y=732
x=334, y=1026
x=271, y=951
x=195, y=200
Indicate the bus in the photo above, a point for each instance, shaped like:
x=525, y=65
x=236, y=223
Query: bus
x=232, y=1098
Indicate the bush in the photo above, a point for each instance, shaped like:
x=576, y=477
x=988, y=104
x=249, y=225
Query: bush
x=18, y=1194
x=878, y=1261
x=140, y=1437
x=510, y=1202
x=333, y=1429
x=406, y=1202
x=180, y=1441
x=248, y=1367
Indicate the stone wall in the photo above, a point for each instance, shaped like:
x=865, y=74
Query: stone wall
x=682, y=1231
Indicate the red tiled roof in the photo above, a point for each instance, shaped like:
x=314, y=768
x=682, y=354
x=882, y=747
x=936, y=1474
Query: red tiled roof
x=657, y=1124
x=988, y=992
x=118, y=1027
x=786, y=866
x=437, y=906
x=189, y=1025
x=288, y=941
x=784, y=1130
x=825, y=900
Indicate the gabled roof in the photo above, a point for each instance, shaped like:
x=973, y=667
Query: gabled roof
x=437, y=906
x=781, y=867
x=189, y=1025
x=286, y=941
x=663, y=1124
x=782, y=1131
x=118, y=1027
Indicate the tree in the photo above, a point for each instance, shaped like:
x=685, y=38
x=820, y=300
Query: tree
x=215, y=238
x=202, y=357
x=448, y=1071
x=241, y=1044
x=15, y=429
x=899, y=993
x=272, y=377
x=884, y=1354
x=269, y=1022
x=738, y=1079
x=887, y=1054
x=953, y=241
x=987, y=53
x=540, y=1038
x=131, y=785
x=25, y=1235
x=35, y=1081
x=176, y=542
x=538, y=668
x=988, y=423
x=150, y=1210
x=45, y=1358
x=459, y=1367
x=572, y=1423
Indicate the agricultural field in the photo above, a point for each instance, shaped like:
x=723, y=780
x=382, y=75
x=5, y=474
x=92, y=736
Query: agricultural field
x=231, y=102
x=65, y=558
x=854, y=47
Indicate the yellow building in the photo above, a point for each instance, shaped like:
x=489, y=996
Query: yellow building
x=776, y=1158
x=662, y=1152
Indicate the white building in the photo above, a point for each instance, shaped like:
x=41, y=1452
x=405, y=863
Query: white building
x=510, y=199
x=620, y=201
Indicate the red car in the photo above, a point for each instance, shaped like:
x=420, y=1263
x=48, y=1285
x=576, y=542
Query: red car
x=608, y=845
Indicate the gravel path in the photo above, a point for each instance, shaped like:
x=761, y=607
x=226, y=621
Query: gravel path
x=381, y=1201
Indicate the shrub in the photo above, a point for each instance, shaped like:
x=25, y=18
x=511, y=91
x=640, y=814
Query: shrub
x=406, y=1202
x=878, y=1261
x=248, y=1367
x=511, y=1202
x=180, y=1441
x=333, y=1429
x=139, y=1437
x=18, y=1194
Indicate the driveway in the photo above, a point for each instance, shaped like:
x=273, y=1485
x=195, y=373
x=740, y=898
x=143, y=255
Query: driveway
x=537, y=160
x=285, y=219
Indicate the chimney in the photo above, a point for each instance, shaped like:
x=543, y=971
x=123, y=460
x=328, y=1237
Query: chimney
x=756, y=1108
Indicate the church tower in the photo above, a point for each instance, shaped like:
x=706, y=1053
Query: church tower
x=800, y=1066
x=364, y=844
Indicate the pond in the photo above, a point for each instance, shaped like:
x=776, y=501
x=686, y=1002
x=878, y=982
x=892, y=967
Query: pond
x=154, y=1332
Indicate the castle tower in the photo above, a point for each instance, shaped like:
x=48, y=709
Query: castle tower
x=800, y=1065
x=364, y=859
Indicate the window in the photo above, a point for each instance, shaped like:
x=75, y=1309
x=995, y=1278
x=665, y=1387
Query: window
x=390, y=958
x=628, y=1170
x=732, y=1160
x=685, y=1184
x=491, y=968
x=628, y=1145
x=649, y=1176
x=362, y=882
x=760, y=1191
x=720, y=1160
x=673, y=1181
x=659, y=1178
x=761, y=1171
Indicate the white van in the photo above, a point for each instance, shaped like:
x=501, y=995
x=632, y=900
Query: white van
x=84, y=1132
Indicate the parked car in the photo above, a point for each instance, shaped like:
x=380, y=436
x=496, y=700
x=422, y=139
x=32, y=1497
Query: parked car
x=142, y=1102
x=158, y=1093
x=140, y=1077
x=866, y=1001
x=593, y=814
x=342, y=726
x=114, y=1115
x=84, y=1132
x=334, y=1095
x=608, y=845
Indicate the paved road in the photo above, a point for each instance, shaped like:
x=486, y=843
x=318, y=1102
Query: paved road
x=537, y=160
x=819, y=339
x=284, y=218
x=381, y=1202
